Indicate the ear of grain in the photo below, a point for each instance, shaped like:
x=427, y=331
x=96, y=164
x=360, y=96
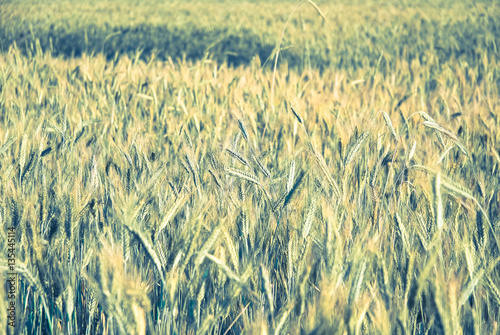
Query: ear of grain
x=294, y=189
x=225, y=269
x=453, y=137
x=426, y=117
x=7, y=145
x=22, y=154
x=479, y=226
x=208, y=245
x=403, y=232
x=171, y=214
x=388, y=122
x=439, y=202
x=456, y=188
x=309, y=219
x=355, y=148
x=290, y=265
x=296, y=114
x=243, y=175
x=376, y=168
x=282, y=318
x=262, y=167
x=357, y=284
x=238, y=156
x=248, y=176
x=243, y=130
x=233, y=253
x=148, y=245
x=321, y=162
x=291, y=176
x=267, y=287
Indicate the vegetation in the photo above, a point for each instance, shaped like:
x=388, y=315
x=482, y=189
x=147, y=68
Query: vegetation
x=355, y=35
x=356, y=189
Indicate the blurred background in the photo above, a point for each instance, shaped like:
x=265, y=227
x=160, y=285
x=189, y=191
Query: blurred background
x=357, y=34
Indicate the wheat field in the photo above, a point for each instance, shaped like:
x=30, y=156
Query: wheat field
x=275, y=168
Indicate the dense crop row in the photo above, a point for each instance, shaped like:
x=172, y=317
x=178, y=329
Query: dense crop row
x=182, y=197
x=355, y=36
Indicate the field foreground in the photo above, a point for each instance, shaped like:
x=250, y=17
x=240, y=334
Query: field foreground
x=173, y=197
